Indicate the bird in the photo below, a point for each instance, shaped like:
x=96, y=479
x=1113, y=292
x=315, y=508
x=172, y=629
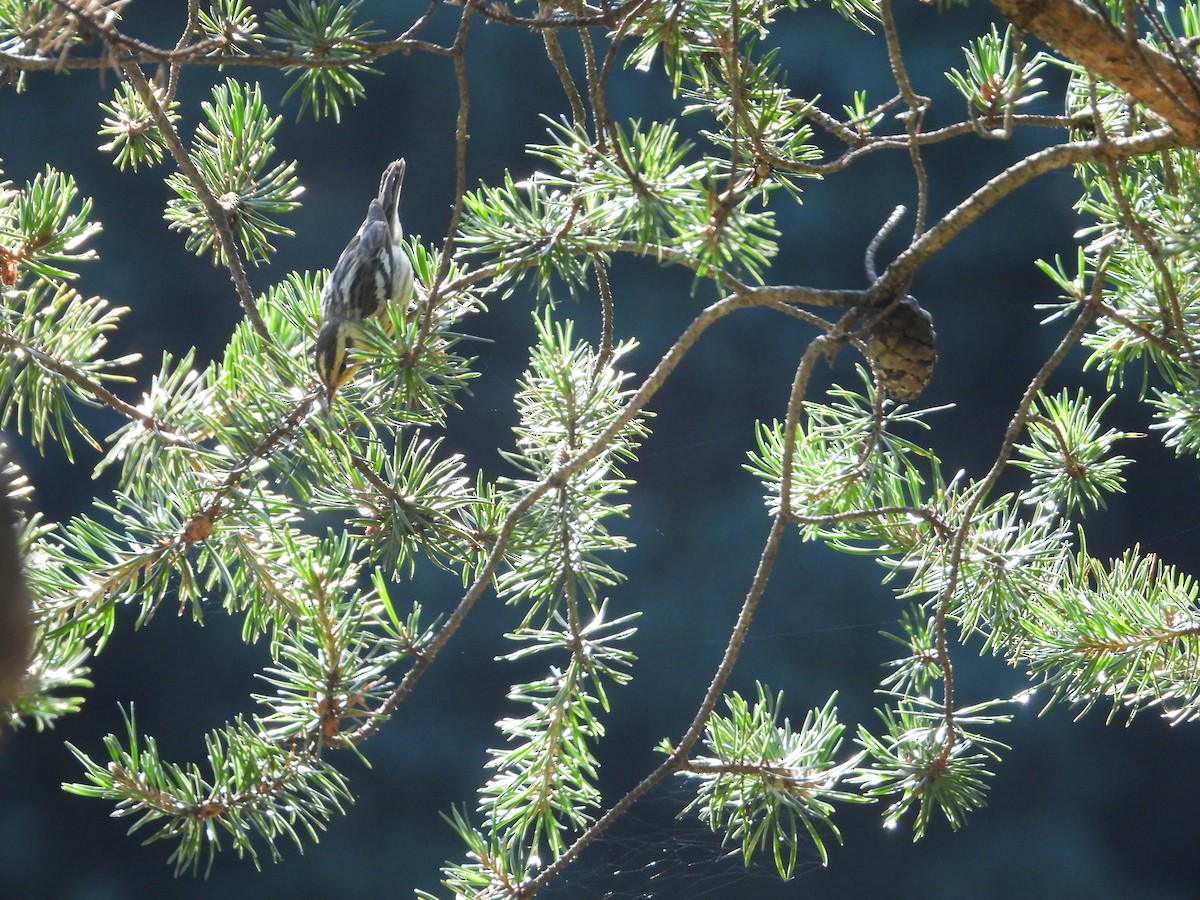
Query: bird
x=372, y=272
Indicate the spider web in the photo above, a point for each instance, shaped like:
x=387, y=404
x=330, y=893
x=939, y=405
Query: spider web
x=652, y=855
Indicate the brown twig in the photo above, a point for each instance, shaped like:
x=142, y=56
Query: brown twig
x=679, y=754
x=1169, y=302
x=559, y=62
x=495, y=12
x=971, y=209
x=216, y=214
x=867, y=144
x=912, y=119
x=461, y=138
x=880, y=236
x=605, y=344
x=97, y=390
x=555, y=479
x=983, y=488
x=189, y=28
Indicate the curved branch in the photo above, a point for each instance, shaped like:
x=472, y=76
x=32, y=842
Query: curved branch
x=202, y=51
x=199, y=54
x=981, y=490
x=555, y=479
x=863, y=145
x=984, y=198
x=758, y=585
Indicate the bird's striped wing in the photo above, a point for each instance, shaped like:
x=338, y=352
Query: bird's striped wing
x=364, y=275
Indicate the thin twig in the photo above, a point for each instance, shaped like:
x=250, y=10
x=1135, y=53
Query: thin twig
x=591, y=76
x=495, y=12
x=737, y=102
x=1071, y=465
x=189, y=29
x=417, y=26
x=880, y=236
x=1159, y=342
x=679, y=754
x=559, y=61
x=202, y=54
x=981, y=490
x=797, y=312
x=237, y=272
x=604, y=123
x=97, y=390
x=115, y=38
x=912, y=119
x=866, y=145
x=940, y=525
x=1014, y=93
x=279, y=432
x=605, y=349
x=555, y=479
x=1141, y=234
x=436, y=293
x=971, y=209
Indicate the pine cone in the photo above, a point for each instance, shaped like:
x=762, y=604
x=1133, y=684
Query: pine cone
x=901, y=349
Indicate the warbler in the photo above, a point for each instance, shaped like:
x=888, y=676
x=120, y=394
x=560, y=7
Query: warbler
x=372, y=272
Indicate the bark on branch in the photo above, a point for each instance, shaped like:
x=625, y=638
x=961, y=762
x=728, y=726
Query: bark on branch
x=1152, y=77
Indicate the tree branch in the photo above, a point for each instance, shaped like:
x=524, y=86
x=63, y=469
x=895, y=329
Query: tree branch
x=96, y=389
x=1084, y=36
x=237, y=272
x=970, y=210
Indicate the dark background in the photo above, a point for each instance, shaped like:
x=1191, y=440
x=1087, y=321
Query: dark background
x=1075, y=809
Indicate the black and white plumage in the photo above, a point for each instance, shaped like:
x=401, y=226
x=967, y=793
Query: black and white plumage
x=372, y=272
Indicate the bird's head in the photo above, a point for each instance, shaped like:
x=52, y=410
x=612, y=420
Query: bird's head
x=331, y=354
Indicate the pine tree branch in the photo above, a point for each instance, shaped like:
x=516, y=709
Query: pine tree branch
x=779, y=525
x=940, y=525
x=913, y=118
x=96, y=389
x=237, y=272
x=864, y=145
x=461, y=138
x=115, y=39
x=970, y=210
x=599, y=18
x=189, y=29
x=559, y=62
x=557, y=478
x=1084, y=36
x=201, y=54
x=981, y=490
x=205, y=51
